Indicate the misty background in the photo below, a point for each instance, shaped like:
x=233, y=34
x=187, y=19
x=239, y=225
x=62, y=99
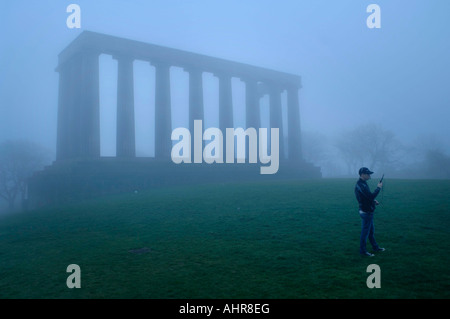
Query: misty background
x=374, y=97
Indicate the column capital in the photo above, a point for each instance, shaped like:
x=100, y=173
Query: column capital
x=222, y=74
x=249, y=79
x=193, y=70
x=270, y=88
x=160, y=63
x=90, y=51
x=123, y=57
x=273, y=87
x=85, y=53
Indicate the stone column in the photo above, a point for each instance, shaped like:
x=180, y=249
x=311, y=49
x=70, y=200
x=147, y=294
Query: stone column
x=163, y=117
x=276, y=119
x=252, y=113
x=90, y=101
x=195, y=105
x=74, y=110
x=225, y=106
x=126, y=145
x=294, y=137
x=64, y=110
x=78, y=107
x=195, y=96
x=225, y=102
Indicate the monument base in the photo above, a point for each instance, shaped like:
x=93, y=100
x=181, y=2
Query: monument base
x=74, y=180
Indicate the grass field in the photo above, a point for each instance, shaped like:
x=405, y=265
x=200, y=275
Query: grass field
x=254, y=240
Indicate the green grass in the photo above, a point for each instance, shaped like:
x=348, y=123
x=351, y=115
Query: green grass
x=249, y=240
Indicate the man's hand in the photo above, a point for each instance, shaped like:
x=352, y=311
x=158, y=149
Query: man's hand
x=376, y=202
x=380, y=184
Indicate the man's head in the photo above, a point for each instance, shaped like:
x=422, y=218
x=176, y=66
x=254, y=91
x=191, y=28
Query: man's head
x=364, y=173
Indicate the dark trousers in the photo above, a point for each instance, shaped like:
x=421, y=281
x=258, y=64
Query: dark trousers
x=367, y=231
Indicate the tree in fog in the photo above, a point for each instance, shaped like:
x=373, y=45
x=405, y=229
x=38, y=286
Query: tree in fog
x=437, y=164
x=369, y=145
x=425, y=143
x=433, y=161
x=18, y=161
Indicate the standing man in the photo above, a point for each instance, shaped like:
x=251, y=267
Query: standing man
x=367, y=203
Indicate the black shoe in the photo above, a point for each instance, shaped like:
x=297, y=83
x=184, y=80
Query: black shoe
x=380, y=249
x=367, y=254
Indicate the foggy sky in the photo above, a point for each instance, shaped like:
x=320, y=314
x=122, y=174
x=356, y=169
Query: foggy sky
x=396, y=76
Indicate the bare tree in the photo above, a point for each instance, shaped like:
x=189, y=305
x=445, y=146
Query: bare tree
x=426, y=143
x=431, y=156
x=18, y=161
x=349, y=148
x=369, y=145
x=437, y=164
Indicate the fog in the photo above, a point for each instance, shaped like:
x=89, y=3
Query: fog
x=395, y=77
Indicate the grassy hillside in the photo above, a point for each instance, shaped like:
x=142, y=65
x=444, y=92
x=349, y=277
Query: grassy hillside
x=265, y=240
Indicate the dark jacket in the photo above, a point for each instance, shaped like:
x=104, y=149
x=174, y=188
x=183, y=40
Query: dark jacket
x=365, y=198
